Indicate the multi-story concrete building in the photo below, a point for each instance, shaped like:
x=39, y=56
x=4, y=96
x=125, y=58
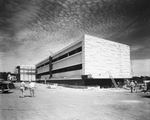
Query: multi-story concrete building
x=90, y=60
x=26, y=73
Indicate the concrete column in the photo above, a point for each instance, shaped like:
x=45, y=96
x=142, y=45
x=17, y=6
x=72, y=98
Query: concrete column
x=50, y=66
x=18, y=74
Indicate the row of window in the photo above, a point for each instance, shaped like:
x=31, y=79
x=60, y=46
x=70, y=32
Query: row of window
x=65, y=69
x=69, y=68
x=77, y=50
x=27, y=73
x=27, y=69
x=44, y=73
x=43, y=64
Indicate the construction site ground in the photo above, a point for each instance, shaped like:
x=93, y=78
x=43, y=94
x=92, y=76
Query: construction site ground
x=61, y=103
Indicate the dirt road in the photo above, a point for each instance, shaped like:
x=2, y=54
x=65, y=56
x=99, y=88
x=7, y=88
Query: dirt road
x=75, y=104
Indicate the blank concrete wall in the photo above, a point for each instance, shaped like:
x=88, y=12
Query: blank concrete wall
x=102, y=57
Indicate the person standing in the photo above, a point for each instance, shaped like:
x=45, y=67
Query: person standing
x=132, y=85
x=148, y=87
x=22, y=88
x=135, y=87
x=31, y=87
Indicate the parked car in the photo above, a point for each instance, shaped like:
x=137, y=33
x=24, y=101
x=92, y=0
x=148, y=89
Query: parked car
x=6, y=86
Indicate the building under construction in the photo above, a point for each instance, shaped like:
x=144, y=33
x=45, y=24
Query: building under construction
x=89, y=61
x=26, y=73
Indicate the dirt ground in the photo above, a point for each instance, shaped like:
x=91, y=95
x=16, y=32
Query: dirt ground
x=62, y=103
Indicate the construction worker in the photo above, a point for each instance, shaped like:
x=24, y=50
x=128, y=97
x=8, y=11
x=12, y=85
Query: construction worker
x=22, y=88
x=135, y=87
x=31, y=87
x=132, y=86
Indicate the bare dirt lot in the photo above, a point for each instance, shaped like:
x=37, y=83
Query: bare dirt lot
x=75, y=104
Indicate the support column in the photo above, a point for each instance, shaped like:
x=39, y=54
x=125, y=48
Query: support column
x=50, y=67
x=18, y=73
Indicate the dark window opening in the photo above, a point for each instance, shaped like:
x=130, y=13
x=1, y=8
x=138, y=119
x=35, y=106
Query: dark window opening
x=68, y=54
x=69, y=68
x=44, y=73
x=43, y=64
x=75, y=51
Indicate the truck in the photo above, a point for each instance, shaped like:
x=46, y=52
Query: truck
x=6, y=86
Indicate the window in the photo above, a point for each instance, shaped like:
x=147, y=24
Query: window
x=68, y=54
x=44, y=73
x=43, y=65
x=69, y=68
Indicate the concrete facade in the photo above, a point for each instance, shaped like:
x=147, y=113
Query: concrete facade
x=102, y=58
x=92, y=57
x=42, y=69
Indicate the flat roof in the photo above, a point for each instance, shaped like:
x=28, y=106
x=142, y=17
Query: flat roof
x=26, y=65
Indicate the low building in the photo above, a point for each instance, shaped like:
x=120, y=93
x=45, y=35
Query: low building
x=26, y=73
x=90, y=60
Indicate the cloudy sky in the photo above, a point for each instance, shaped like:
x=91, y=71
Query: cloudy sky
x=31, y=30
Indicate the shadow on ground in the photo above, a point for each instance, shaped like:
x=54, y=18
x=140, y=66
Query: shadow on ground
x=25, y=96
x=146, y=96
x=6, y=92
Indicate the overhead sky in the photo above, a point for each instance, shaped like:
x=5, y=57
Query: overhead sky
x=31, y=30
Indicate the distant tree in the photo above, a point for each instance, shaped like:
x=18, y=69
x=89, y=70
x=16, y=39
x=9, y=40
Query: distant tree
x=140, y=79
x=4, y=75
x=146, y=78
x=1, y=76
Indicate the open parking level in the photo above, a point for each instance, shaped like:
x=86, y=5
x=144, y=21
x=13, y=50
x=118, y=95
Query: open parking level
x=61, y=103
